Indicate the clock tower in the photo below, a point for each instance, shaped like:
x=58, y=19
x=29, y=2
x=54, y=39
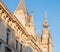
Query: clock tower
x=46, y=37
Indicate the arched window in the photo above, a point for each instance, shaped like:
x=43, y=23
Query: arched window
x=29, y=49
x=7, y=35
x=16, y=44
x=20, y=47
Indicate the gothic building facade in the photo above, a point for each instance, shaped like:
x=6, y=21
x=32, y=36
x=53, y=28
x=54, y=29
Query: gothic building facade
x=17, y=31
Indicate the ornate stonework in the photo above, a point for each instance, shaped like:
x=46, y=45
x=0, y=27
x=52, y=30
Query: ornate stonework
x=26, y=35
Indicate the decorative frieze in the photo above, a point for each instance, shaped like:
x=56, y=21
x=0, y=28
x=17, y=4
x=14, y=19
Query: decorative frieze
x=22, y=35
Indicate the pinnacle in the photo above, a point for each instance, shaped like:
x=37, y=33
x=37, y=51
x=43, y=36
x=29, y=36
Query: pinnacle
x=22, y=6
x=45, y=16
x=45, y=20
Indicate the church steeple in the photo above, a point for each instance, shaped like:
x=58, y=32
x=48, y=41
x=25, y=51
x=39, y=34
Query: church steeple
x=45, y=25
x=24, y=17
x=22, y=6
x=45, y=33
x=21, y=12
x=46, y=36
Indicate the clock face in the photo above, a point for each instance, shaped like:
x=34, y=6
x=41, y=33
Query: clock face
x=44, y=36
x=44, y=49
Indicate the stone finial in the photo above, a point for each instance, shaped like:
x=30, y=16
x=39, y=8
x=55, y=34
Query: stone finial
x=45, y=20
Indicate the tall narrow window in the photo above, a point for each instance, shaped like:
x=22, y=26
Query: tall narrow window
x=16, y=44
x=21, y=48
x=7, y=38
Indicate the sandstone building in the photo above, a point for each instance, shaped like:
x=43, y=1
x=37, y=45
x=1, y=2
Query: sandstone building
x=17, y=31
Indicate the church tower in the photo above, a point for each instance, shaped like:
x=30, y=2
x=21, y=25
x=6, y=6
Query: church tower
x=47, y=43
x=25, y=18
x=21, y=12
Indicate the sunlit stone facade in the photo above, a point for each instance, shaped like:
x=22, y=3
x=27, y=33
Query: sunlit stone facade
x=17, y=31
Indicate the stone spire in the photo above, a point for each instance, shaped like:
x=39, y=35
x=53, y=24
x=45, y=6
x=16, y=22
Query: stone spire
x=22, y=6
x=47, y=42
x=45, y=25
x=21, y=12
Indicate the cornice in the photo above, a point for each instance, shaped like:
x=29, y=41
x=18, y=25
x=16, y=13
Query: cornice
x=13, y=22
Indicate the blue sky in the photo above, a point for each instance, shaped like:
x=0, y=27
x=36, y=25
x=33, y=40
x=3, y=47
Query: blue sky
x=39, y=7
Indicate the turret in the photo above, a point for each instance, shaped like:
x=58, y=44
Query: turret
x=46, y=36
x=31, y=27
x=45, y=32
x=25, y=18
x=21, y=12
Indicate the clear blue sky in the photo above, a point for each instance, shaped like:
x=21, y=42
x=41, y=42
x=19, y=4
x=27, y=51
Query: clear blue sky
x=39, y=7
